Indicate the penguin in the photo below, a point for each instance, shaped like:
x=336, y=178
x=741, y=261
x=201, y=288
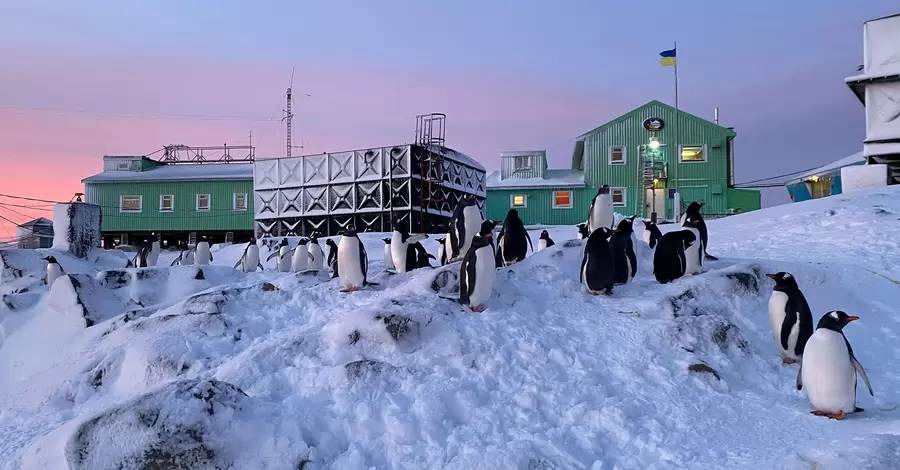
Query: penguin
x=141, y=258
x=403, y=253
x=54, y=271
x=332, y=257
x=623, y=251
x=185, y=256
x=652, y=234
x=442, y=250
x=250, y=258
x=478, y=269
x=388, y=257
x=669, y=261
x=316, y=255
x=422, y=256
x=597, y=272
x=300, y=257
x=545, y=241
x=511, y=243
x=693, y=212
x=352, y=261
x=282, y=257
x=693, y=254
x=464, y=225
x=789, y=316
x=202, y=255
x=601, y=212
x=828, y=369
x=153, y=255
x=583, y=231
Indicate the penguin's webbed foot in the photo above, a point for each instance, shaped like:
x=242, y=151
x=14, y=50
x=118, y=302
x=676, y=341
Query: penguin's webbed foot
x=477, y=309
x=350, y=289
x=786, y=360
x=840, y=415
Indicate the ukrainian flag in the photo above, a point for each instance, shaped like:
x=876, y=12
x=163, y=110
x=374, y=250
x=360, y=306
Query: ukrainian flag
x=668, y=58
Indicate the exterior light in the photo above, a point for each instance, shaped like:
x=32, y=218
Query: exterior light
x=654, y=143
x=655, y=180
x=814, y=178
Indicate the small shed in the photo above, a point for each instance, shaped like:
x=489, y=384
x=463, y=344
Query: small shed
x=823, y=181
x=37, y=233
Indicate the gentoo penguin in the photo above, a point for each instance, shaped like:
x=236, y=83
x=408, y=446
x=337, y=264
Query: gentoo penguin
x=388, y=257
x=316, y=255
x=202, y=255
x=352, y=261
x=141, y=258
x=54, y=271
x=513, y=241
x=583, y=231
x=693, y=212
x=545, y=241
x=597, y=272
x=464, y=225
x=652, y=234
x=789, y=317
x=300, y=258
x=669, y=259
x=693, y=254
x=828, y=368
x=282, y=257
x=402, y=251
x=478, y=268
x=623, y=251
x=422, y=256
x=332, y=257
x=153, y=255
x=250, y=258
x=601, y=212
x=442, y=250
x=185, y=257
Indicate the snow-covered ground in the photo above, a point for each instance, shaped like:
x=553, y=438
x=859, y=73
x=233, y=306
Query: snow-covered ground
x=281, y=371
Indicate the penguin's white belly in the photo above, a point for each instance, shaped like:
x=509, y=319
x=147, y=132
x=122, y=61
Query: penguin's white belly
x=202, y=254
x=473, y=226
x=284, y=263
x=153, y=256
x=318, y=257
x=827, y=374
x=542, y=244
x=187, y=259
x=251, y=259
x=388, y=256
x=53, y=273
x=348, y=260
x=628, y=264
x=485, y=269
x=300, y=260
x=398, y=252
x=777, y=305
x=694, y=255
x=647, y=235
x=602, y=215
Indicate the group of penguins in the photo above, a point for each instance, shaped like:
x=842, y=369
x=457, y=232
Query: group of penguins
x=148, y=254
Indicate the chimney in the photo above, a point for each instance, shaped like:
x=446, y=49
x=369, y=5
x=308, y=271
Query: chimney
x=716, y=114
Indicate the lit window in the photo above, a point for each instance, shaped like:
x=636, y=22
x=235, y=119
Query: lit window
x=519, y=200
x=618, y=197
x=617, y=155
x=203, y=202
x=523, y=163
x=130, y=203
x=693, y=153
x=166, y=203
x=562, y=199
x=240, y=201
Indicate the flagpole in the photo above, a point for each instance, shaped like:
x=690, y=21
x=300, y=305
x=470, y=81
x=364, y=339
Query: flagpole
x=677, y=148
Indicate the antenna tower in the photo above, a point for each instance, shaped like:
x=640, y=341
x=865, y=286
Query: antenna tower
x=288, y=117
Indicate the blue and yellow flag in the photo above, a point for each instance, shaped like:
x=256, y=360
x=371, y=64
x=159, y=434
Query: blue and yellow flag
x=668, y=58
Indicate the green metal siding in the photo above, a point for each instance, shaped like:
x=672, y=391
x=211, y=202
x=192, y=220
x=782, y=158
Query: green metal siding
x=185, y=217
x=540, y=205
x=745, y=200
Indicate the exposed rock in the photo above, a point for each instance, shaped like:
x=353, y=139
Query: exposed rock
x=572, y=243
x=703, y=368
x=114, y=279
x=16, y=264
x=445, y=280
x=359, y=369
x=684, y=304
x=398, y=326
x=268, y=287
x=746, y=282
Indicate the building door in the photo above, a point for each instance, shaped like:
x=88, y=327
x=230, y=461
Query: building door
x=656, y=202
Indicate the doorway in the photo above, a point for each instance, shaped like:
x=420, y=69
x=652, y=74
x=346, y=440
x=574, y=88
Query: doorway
x=656, y=202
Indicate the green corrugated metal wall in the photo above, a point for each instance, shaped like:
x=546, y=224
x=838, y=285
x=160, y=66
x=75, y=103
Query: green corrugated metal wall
x=540, y=206
x=185, y=217
x=744, y=199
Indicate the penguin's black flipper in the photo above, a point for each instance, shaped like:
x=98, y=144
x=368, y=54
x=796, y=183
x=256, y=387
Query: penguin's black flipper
x=799, y=380
x=261, y=268
x=452, y=299
x=710, y=257
x=861, y=372
x=367, y=283
x=272, y=255
x=238, y=263
x=858, y=409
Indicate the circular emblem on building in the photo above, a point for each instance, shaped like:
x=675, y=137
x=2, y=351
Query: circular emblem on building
x=653, y=124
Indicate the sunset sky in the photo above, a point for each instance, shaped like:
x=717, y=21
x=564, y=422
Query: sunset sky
x=84, y=79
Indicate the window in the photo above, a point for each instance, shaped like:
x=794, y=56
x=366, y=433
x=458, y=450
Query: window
x=523, y=163
x=618, y=197
x=617, y=156
x=518, y=200
x=166, y=203
x=203, y=202
x=562, y=199
x=693, y=153
x=240, y=202
x=130, y=203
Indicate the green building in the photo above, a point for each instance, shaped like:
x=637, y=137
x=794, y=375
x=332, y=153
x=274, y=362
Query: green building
x=646, y=156
x=178, y=200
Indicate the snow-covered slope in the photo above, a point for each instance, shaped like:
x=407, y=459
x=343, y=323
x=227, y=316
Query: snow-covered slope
x=277, y=371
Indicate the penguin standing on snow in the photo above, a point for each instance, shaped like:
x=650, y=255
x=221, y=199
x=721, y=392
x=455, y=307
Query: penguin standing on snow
x=54, y=271
x=545, y=241
x=464, y=225
x=693, y=254
x=583, y=231
x=332, y=257
x=300, y=258
x=693, y=212
x=153, y=255
x=185, y=257
x=829, y=368
x=250, y=258
x=442, y=251
x=597, y=272
x=316, y=255
x=141, y=259
x=478, y=269
x=388, y=257
x=352, y=261
x=513, y=241
x=789, y=316
x=652, y=234
x=403, y=253
x=623, y=251
x=283, y=260
x=202, y=255
x=601, y=212
x=422, y=256
x=669, y=259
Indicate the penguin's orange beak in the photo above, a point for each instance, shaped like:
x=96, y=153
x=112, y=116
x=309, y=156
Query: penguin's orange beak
x=852, y=318
x=770, y=276
x=488, y=235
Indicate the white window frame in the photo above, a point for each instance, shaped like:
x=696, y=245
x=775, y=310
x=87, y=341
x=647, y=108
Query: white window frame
x=624, y=155
x=122, y=203
x=234, y=199
x=208, y=203
x=562, y=206
x=624, y=197
x=526, y=159
x=512, y=201
x=681, y=154
x=163, y=209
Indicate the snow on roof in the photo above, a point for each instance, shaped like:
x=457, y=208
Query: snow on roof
x=554, y=178
x=854, y=159
x=38, y=221
x=183, y=172
x=458, y=156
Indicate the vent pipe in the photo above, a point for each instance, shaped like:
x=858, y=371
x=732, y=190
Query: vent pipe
x=716, y=114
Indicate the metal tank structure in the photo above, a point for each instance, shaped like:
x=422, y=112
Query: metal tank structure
x=417, y=184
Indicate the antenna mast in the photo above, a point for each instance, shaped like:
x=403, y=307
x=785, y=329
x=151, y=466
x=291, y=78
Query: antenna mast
x=289, y=116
